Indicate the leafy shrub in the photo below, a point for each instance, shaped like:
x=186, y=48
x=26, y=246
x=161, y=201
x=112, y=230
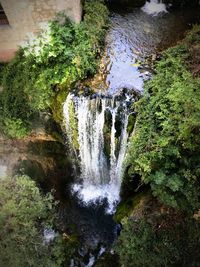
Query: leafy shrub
x=159, y=242
x=24, y=215
x=63, y=54
x=164, y=151
x=15, y=128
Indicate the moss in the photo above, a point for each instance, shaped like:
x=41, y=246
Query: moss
x=57, y=106
x=127, y=206
x=57, y=109
x=74, y=126
x=131, y=123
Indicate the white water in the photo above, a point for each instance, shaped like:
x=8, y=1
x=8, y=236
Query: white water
x=154, y=7
x=100, y=174
x=49, y=235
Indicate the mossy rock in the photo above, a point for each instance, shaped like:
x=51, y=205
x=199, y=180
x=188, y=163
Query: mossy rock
x=73, y=126
x=126, y=207
x=57, y=106
x=131, y=123
x=57, y=109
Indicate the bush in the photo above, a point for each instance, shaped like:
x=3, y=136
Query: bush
x=63, y=54
x=159, y=242
x=24, y=215
x=15, y=128
x=164, y=151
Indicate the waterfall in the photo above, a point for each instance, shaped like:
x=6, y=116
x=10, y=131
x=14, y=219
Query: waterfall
x=154, y=7
x=100, y=172
x=91, y=139
x=116, y=164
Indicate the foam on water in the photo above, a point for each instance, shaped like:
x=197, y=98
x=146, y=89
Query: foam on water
x=49, y=235
x=92, y=194
x=154, y=7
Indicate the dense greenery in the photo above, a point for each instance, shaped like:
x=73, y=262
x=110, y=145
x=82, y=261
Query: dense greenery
x=46, y=68
x=164, y=149
x=24, y=215
x=159, y=242
x=164, y=154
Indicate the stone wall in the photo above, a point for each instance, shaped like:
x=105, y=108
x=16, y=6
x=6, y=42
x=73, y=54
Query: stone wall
x=27, y=16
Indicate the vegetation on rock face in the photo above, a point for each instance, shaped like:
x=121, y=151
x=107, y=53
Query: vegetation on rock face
x=164, y=154
x=164, y=150
x=125, y=208
x=46, y=68
x=73, y=134
x=164, y=241
x=24, y=216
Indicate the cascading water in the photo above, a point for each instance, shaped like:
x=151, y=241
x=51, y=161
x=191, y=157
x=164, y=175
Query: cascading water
x=97, y=127
x=100, y=172
x=154, y=7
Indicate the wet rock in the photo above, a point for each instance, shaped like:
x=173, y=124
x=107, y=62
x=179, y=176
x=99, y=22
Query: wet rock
x=108, y=259
x=45, y=161
x=134, y=3
x=182, y=3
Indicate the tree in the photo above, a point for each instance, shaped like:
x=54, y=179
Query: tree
x=24, y=215
x=158, y=241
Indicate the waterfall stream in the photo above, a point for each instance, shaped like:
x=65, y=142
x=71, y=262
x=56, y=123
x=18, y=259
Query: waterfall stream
x=99, y=144
x=100, y=171
x=98, y=126
x=154, y=7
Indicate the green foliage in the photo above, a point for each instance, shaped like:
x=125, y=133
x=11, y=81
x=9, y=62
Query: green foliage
x=24, y=214
x=73, y=135
x=14, y=128
x=164, y=150
x=46, y=67
x=159, y=242
x=2, y=65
